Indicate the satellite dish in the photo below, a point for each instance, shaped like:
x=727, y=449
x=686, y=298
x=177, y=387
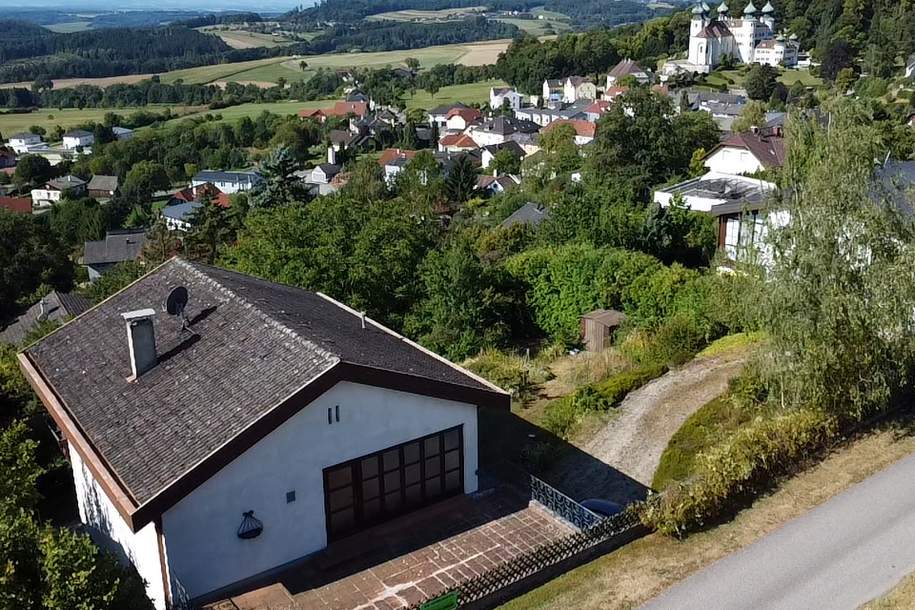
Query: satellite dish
x=175, y=304
x=176, y=301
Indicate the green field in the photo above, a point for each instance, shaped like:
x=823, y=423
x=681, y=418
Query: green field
x=243, y=39
x=270, y=70
x=234, y=113
x=787, y=77
x=69, y=117
x=69, y=27
x=474, y=93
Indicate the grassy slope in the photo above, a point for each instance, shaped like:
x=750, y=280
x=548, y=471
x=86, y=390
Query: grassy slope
x=901, y=597
x=635, y=573
x=468, y=94
x=69, y=117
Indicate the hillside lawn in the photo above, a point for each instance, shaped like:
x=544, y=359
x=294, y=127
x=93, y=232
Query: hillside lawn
x=71, y=117
x=787, y=78
x=473, y=93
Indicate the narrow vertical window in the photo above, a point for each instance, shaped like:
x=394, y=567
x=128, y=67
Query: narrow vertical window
x=337, y=412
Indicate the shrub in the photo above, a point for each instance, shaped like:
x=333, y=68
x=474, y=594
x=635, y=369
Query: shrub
x=513, y=373
x=611, y=392
x=561, y=417
x=744, y=463
x=674, y=342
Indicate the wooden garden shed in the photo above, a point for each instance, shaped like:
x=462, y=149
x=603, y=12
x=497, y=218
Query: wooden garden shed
x=597, y=328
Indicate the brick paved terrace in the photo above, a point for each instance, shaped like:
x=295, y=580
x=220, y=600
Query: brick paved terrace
x=411, y=559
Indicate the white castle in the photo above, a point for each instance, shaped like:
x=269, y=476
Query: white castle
x=750, y=39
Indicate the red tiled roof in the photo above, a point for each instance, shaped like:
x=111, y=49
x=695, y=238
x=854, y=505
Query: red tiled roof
x=457, y=140
x=598, y=107
x=468, y=114
x=307, y=113
x=613, y=92
x=395, y=153
x=196, y=193
x=21, y=205
x=582, y=128
x=360, y=109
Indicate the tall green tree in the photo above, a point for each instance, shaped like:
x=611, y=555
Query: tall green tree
x=461, y=180
x=210, y=231
x=280, y=186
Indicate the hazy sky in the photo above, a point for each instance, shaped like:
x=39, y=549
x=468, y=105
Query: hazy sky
x=199, y=5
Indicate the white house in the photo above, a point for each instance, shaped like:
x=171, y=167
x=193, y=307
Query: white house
x=21, y=142
x=438, y=116
x=77, y=138
x=577, y=88
x=712, y=189
x=459, y=119
x=228, y=182
x=282, y=422
x=54, y=190
x=498, y=96
x=553, y=90
x=178, y=216
x=747, y=153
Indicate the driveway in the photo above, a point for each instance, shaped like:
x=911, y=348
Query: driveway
x=840, y=555
x=632, y=443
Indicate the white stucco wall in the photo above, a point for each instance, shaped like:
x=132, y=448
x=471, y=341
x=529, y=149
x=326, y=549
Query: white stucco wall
x=109, y=530
x=200, y=531
x=733, y=161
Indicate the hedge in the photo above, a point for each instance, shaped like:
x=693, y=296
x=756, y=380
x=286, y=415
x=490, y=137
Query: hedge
x=746, y=462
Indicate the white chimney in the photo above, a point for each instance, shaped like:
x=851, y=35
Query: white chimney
x=331, y=155
x=141, y=340
x=42, y=310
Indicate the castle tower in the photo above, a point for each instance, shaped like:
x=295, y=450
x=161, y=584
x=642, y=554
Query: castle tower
x=699, y=21
x=768, y=16
x=750, y=12
x=723, y=11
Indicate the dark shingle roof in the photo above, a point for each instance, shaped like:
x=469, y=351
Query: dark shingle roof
x=255, y=343
x=58, y=307
x=99, y=182
x=117, y=247
x=530, y=214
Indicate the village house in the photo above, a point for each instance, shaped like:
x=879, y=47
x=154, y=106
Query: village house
x=117, y=247
x=624, y=68
x=494, y=185
x=577, y=88
x=54, y=190
x=489, y=152
x=597, y=109
x=584, y=130
x=102, y=187
x=122, y=133
x=748, y=153
x=393, y=161
x=251, y=428
x=22, y=142
x=553, y=91
x=456, y=142
x=77, y=138
x=501, y=129
x=459, y=119
x=438, y=116
x=228, y=182
x=56, y=307
x=712, y=189
x=529, y=215
x=545, y=116
x=498, y=96
x=178, y=216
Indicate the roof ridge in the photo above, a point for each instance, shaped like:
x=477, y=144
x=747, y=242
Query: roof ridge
x=193, y=267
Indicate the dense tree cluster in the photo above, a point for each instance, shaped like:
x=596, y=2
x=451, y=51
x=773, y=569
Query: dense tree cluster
x=350, y=11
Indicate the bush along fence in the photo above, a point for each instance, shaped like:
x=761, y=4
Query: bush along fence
x=595, y=537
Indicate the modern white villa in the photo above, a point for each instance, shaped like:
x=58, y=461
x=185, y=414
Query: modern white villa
x=256, y=427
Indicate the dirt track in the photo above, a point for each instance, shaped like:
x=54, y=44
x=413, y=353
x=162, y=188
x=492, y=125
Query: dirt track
x=619, y=462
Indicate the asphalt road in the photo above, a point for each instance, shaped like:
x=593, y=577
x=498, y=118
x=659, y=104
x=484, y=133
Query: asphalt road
x=843, y=553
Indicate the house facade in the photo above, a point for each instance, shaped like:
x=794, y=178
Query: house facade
x=576, y=88
x=748, y=153
x=54, y=190
x=77, y=138
x=498, y=96
x=336, y=425
x=21, y=142
x=227, y=182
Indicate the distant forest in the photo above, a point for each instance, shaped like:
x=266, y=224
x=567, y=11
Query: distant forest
x=350, y=11
x=391, y=35
x=28, y=51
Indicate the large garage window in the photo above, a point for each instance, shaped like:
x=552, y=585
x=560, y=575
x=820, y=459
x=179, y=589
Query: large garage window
x=383, y=485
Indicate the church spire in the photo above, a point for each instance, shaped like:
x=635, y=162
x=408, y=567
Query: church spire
x=768, y=8
x=750, y=10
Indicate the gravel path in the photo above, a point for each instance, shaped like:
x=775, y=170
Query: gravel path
x=620, y=461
